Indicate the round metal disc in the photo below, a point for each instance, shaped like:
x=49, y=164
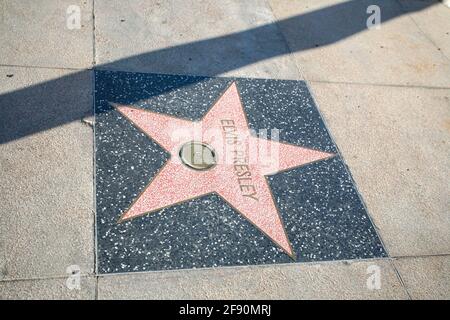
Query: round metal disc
x=198, y=155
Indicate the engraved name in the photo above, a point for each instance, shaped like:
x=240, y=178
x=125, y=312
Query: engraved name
x=239, y=158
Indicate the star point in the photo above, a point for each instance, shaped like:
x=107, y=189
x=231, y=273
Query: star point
x=238, y=177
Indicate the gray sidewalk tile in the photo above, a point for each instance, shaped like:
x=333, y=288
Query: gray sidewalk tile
x=47, y=173
x=36, y=33
x=48, y=289
x=331, y=42
x=335, y=280
x=426, y=277
x=236, y=38
x=396, y=143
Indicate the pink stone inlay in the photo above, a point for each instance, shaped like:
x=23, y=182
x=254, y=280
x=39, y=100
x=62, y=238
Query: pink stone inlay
x=239, y=176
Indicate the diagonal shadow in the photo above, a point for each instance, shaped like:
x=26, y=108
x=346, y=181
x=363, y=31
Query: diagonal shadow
x=49, y=104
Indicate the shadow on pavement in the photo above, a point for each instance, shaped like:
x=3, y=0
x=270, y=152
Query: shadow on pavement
x=50, y=104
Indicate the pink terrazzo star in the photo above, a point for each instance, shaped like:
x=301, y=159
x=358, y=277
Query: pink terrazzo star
x=243, y=161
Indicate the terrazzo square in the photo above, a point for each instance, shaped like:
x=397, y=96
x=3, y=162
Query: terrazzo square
x=319, y=207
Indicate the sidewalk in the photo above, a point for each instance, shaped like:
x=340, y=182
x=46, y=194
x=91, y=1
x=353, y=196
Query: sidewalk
x=384, y=95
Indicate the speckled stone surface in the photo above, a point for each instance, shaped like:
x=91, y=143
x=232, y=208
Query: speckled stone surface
x=323, y=215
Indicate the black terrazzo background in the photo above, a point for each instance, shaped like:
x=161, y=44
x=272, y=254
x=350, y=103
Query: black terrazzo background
x=322, y=213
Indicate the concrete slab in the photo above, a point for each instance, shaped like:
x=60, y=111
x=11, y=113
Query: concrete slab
x=396, y=143
x=46, y=173
x=191, y=37
x=331, y=42
x=47, y=289
x=426, y=277
x=300, y=281
x=434, y=21
x=37, y=33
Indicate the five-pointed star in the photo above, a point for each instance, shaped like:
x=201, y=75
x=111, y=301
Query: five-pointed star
x=243, y=161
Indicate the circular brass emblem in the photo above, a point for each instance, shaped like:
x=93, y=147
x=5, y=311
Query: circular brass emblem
x=198, y=155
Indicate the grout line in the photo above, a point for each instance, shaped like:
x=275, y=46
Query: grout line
x=94, y=184
x=347, y=169
x=94, y=176
x=412, y=86
x=290, y=54
x=94, y=200
x=422, y=256
x=208, y=269
x=410, y=16
x=399, y=277
x=61, y=277
x=240, y=267
x=96, y=288
x=94, y=60
x=235, y=267
x=245, y=267
x=303, y=78
x=94, y=179
x=44, y=67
